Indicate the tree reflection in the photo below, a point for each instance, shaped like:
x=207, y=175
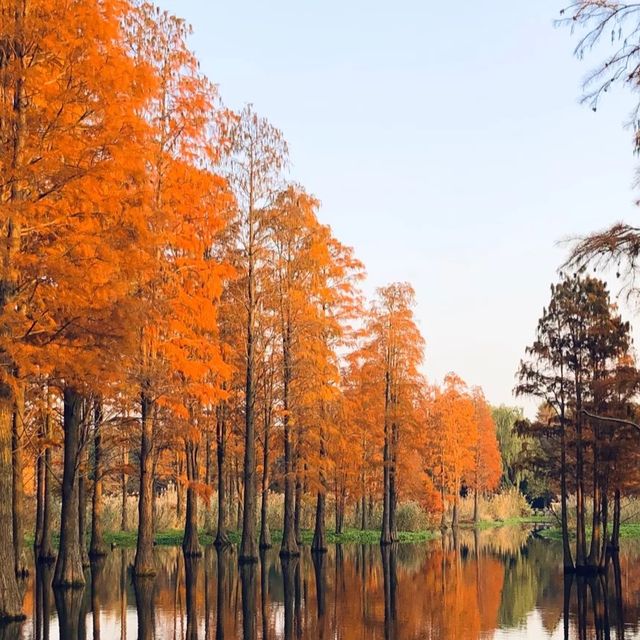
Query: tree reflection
x=145, y=591
x=289, y=568
x=248, y=580
x=97, y=587
x=222, y=552
x=191, y=565
x=390, y=581
x=42, y=618
x=70, y=614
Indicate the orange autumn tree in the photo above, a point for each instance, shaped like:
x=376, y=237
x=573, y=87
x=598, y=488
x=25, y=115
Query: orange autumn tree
x=256, y=157
x=393, y=348
x=486, y=471
x=177, y=292
x=315, y=277
x=450, y=440
x=70, y=158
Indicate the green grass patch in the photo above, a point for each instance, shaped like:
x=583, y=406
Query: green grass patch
x=627, y=531
x=511, y=522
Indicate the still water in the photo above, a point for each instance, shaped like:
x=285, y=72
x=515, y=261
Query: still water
x=501, y=583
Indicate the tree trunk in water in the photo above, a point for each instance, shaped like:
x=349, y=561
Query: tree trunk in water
x=40, y=469
x=98, y=547
x=179, y=487
x=249, y=543
x=265, y=534
x=289, y=545
x=144, y=562
x=596, y=522
x=190, y=543
x=297, y=510
x=124, y=519
x=18, y=484
x=615, y=530
x=208, y=516
x=222, y=538
x=454, y=516
x=45, y=549
x=386, y=533
x=10, y=600
x=566, y=546
x=68, y=571
x=581, y=542
x=319, y=544
x=82, y=517
x=393, y=479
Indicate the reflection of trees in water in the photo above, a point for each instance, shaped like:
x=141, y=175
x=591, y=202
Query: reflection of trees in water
x=459, y=588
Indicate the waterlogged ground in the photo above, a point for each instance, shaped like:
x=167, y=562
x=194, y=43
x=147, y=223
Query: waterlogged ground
x=498, y=583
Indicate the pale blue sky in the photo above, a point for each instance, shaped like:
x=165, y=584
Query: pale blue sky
x=446, y=143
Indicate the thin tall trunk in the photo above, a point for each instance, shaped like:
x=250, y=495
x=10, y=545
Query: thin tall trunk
x=615, y=530
x=124, y=519
x=208, y=519
x=190, y=543
x=68, y=571
x=297, y=508
x=180, y=493
x=454, y=516
x=10, y=600
x=82, y=501
x=289, y=545
x=98, y=547
x=319, y=544
x=18, y=483
x=476, y=514
x=566, y=546
x=581, y=542
x=265, y=534
x=40, y=471
x=385, y=535
x=144, y=562
x=393, y=480
x=222, y=538
x=249, y=544
x=45, y=549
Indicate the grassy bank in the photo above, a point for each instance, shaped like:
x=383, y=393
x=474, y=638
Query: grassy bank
x=173, y=537
x=627, y=531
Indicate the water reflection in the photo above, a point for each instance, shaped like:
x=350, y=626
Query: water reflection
x=501, y=583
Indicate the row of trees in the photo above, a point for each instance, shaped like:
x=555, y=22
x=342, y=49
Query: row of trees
x=168, y=302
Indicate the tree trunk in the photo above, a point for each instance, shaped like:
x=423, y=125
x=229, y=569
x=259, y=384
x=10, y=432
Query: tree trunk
x=124, y=519
x=476, y=513
x=319, y=544
x=144, y=562
x=265, y=534
x=45, y=549
x=289, y=546
x=454, y=516
x=386, y=533
x=190, y=543
x=581, y=542
x=68, y=571
x=393, y=479
x=10, y=600
x=249, y=544
x=82, y=495
x=222, y=538
x=18, y=483
x=98, y=547
x=596, y=522
x=40, y=470
x=615, y=529
x=566, y=546
x=208, y=516
x=297, y=509
x=179, y=487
